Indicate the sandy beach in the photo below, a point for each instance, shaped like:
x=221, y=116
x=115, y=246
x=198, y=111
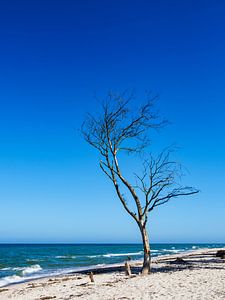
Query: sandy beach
x=200, y=276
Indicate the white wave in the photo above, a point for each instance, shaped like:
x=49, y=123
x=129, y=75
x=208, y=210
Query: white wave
x=65, y=256
x=122, y=254
x=155, y=250
x=93, y=256
x=32, y=269
x=118, y=254
x=194, y=247
x=26, y=274
x=33, y=260
x=9, y=280
x=171, y=250
x=25, y=270
x=18, y=268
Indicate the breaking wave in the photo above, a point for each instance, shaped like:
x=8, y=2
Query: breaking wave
x=123, y=254
x=25, y=275
x=31, y=270
x=66, y=256
x=24, y=270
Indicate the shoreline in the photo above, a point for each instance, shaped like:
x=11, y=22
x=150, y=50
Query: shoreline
x=111, y=278
x=104, y=268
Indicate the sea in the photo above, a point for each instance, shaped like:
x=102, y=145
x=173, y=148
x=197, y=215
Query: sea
x=24, y=262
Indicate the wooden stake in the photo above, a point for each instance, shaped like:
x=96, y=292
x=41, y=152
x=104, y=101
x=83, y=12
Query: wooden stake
x=91, y=276
x=127, y=269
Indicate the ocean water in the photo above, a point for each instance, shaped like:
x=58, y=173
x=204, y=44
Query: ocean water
x=23, y=262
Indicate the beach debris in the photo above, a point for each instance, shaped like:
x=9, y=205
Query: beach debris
x=220, y=253
x=178, y=260
x=83, y=284
x=3, y=290
x=66, y=278
x=91, y=276
x=127, y=269
x=47, y=297
x=32, y=285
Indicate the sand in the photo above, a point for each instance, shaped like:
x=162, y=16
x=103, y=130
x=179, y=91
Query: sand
x=202, y=276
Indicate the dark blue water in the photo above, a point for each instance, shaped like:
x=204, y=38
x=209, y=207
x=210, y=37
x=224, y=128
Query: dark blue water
x=21, y=262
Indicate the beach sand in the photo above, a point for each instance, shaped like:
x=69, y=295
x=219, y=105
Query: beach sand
x=201, y=276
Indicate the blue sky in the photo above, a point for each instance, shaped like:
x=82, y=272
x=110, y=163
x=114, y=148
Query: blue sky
x=54, y=57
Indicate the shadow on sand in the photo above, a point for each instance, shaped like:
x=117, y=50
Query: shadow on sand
x=168, y=265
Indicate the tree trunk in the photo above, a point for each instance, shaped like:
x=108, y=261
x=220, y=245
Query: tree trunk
x=146, y=269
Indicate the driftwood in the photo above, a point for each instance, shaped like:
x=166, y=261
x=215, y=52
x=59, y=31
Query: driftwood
x=47, y=297
x=127, y=269
x=178, y=260
x=186, y=256
x=91, y=276
x=220, y=253
x=3, y=290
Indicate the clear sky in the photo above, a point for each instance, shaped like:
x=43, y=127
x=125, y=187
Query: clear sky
x=54, y=57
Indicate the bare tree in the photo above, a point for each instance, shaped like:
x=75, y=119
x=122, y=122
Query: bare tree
x=120, y=129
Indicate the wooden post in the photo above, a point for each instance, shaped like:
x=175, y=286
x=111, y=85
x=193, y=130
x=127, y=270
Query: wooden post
x=91, y=276
x=127, y=269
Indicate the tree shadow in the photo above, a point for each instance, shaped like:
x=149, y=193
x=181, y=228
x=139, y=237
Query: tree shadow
x=164, y=266
x=189, y=264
